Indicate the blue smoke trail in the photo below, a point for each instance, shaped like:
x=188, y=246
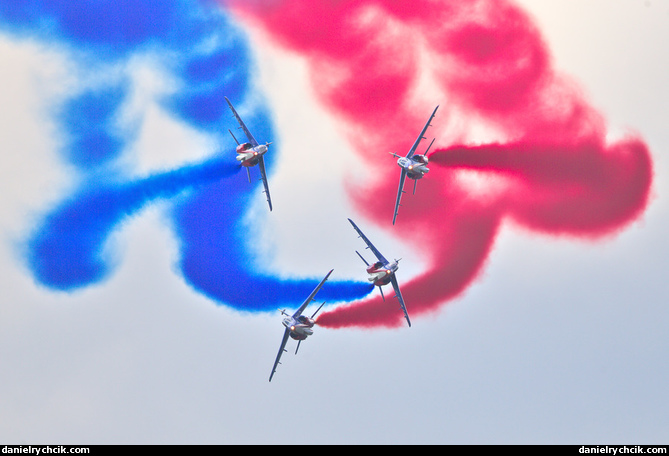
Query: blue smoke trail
x=200, y=46
x=66, y=252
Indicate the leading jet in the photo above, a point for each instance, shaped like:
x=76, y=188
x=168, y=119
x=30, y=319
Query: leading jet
x=251, y=153
x=382, y=272
x=412, y=165
x=298, y=326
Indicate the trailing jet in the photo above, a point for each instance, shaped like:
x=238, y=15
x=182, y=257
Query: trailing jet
x=382, y=272
x=251, y=153
x=413, y=165
x=298, y=326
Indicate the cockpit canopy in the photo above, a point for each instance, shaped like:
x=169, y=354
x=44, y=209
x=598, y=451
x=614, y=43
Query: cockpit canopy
x=244, y=147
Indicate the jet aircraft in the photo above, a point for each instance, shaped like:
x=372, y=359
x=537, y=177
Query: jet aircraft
x=382, y=272
x=251, y=153
x=412, y=165
x=298, y=326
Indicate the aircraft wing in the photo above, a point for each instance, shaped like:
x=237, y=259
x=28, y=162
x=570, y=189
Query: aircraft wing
x=263, y=177
x=311, y=296
x=282, y=349
x=398, y=295
x=370, y=246
x=250, y=137
x=420, y=136
x=399, y=193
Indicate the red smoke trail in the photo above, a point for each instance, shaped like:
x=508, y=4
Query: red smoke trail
x=587, y=190
x=550, y=168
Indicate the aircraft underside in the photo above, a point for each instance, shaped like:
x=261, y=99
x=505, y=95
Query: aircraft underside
x=414, y=175
x=301, y=332
x=251, y=162
x=298, y=336
x=382, y=278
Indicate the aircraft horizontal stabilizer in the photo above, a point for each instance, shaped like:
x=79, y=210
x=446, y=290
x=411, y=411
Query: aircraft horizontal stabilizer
x=233, y=137
x=362, y=258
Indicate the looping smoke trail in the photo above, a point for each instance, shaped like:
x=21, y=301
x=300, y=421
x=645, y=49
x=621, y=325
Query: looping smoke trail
x=486, y=60
x=207, y=58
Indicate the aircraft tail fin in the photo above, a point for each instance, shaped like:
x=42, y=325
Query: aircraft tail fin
x=428, y=147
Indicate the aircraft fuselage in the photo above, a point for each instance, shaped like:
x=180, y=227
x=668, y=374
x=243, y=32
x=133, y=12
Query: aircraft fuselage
x=249, y=155
x=300, y=327
x=380, y=274
x=415, y=166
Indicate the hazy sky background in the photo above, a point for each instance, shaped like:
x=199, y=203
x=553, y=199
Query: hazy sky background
x=559, y=341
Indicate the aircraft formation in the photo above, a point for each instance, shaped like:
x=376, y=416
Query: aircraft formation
x=380, y=273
